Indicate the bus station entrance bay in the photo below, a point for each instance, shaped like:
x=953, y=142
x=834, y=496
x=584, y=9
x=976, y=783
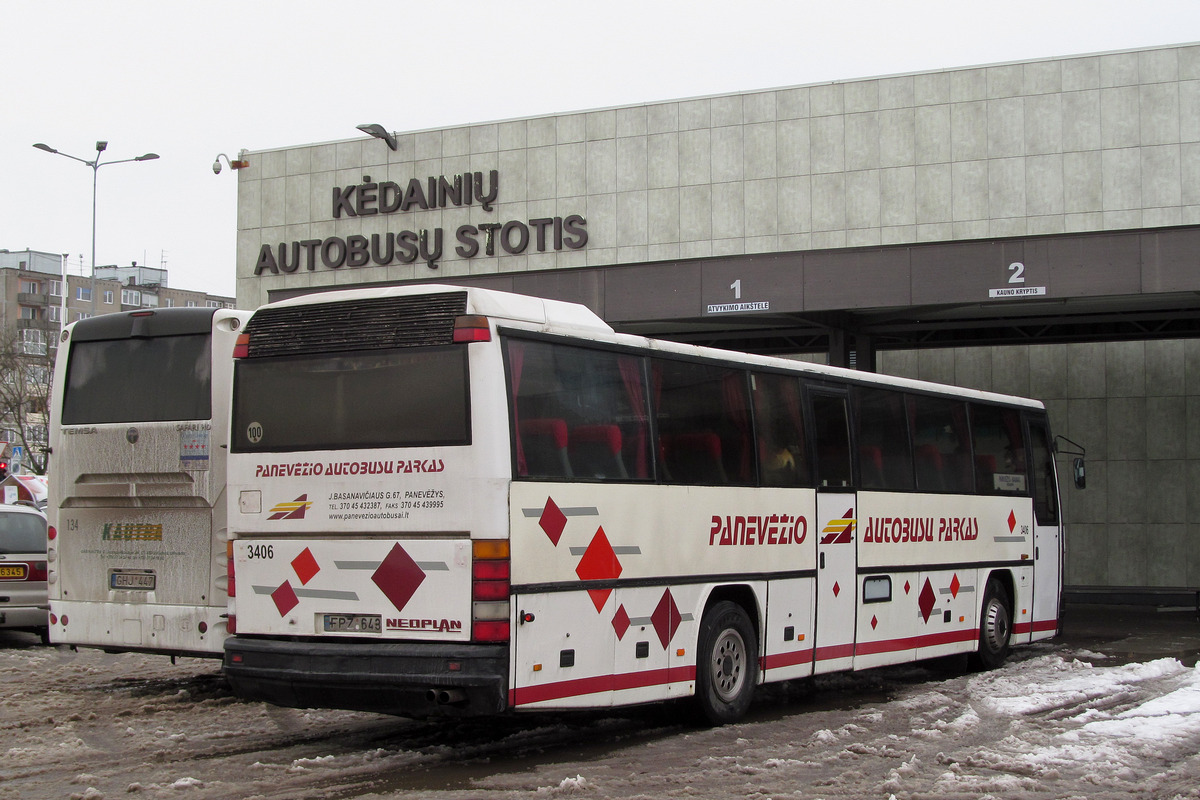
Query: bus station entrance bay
x=1102, y=327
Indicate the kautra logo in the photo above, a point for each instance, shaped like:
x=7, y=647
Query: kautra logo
x=291, y=510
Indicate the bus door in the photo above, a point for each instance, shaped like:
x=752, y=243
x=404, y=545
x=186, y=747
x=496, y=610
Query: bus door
x=837, y=534
x=1047, y=531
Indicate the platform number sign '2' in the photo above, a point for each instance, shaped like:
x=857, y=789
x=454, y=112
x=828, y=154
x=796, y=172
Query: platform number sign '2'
x=1016, y=284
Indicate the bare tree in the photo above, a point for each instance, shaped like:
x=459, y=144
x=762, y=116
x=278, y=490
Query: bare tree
x=26, y=372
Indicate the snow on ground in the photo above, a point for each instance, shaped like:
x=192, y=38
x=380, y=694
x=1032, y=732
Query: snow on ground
x=1054, y=722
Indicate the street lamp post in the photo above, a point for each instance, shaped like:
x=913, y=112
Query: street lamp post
x=95, y=164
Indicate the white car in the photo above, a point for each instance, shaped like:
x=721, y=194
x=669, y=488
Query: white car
x=24, y=602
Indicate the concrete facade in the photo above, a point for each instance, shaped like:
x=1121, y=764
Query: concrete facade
x=827, y=183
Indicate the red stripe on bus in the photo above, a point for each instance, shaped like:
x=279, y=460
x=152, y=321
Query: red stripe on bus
x=780, y=660
x=523, y=695
x=560, y=690
x=914, y=642
x=835, y=651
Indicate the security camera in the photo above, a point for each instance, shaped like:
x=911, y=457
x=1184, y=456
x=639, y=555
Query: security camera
x=217, y=167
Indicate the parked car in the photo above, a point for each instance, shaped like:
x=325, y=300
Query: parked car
x=24, y=601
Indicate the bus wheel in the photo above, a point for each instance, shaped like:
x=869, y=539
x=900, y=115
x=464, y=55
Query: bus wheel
x=995, y=626
x=727, y=669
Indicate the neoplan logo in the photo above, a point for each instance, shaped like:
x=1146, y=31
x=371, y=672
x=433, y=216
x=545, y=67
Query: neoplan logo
x=291, y=510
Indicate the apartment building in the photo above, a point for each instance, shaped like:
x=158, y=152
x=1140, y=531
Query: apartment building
x=33, y=309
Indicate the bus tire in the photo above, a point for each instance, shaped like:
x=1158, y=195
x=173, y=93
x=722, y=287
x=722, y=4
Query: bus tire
x=727, y=663
x=995, y=626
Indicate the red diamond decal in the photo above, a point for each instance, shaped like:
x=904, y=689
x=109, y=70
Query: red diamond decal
x=907, y=587
x=874, y=622
x=398, y=577
x=306, y=566
x=1012, y=521
x=599, y=563
x=665, y=619
x=285, y=598
x=553, y=521
x=620, y=622
x=926, y=600
x=836, y=589
x=954, y=586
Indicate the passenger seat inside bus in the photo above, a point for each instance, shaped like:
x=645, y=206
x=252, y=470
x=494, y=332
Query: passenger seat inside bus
x=694, y=458
x=870, y=457
x=544, y=443
x=930, y=472
x=595, y=452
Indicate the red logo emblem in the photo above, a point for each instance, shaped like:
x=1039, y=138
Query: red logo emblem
x=840, y=531
x=291, y=510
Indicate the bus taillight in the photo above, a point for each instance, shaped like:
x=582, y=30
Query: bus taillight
x=490, y=574
x=230, y=616
x=241, y=347
x=229, y=567
x=471, y=328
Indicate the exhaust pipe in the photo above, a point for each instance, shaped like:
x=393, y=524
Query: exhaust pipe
x=446, y=697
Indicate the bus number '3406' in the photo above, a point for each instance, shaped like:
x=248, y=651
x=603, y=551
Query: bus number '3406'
x=260, y=551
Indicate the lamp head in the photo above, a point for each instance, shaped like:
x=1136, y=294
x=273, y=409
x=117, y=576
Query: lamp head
x=45, y=147
x=379, y=132
x=101, y=147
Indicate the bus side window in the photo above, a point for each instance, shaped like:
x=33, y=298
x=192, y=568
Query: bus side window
x=1045, y=490
x=703, y=415
x=779, y=431
x=577, y=413
x=941, y=444
x=999, y=450
x=831, y=429
x=885, y=456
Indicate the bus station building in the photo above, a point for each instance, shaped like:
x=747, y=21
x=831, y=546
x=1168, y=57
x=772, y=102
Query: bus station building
x=1031, y=228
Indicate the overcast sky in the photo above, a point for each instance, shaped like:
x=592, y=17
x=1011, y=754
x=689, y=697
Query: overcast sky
x=188, y=81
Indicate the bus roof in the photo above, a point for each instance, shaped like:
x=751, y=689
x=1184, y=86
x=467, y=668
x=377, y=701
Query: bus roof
x=552, y=315
x=557, y=316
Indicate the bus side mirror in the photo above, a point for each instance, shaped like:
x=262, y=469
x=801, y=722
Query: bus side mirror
x=1079, y=472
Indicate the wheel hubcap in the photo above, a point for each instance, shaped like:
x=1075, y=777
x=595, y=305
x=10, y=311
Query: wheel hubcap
x=729, y=661
x=997, y=626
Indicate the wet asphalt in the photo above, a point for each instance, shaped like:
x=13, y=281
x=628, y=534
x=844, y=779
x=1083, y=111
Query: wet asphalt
x=1133, y=632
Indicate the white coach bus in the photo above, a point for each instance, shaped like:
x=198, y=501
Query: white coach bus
x=462, y=501
x=138, y=426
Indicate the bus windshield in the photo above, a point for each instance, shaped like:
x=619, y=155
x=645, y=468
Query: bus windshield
x=374, y=398
x=161, y=379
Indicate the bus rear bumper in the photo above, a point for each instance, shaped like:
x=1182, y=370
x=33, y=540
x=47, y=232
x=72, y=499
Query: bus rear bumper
x=402, y=678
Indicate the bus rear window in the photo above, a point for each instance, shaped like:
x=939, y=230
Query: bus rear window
x=391, y=398
x=159, y=379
